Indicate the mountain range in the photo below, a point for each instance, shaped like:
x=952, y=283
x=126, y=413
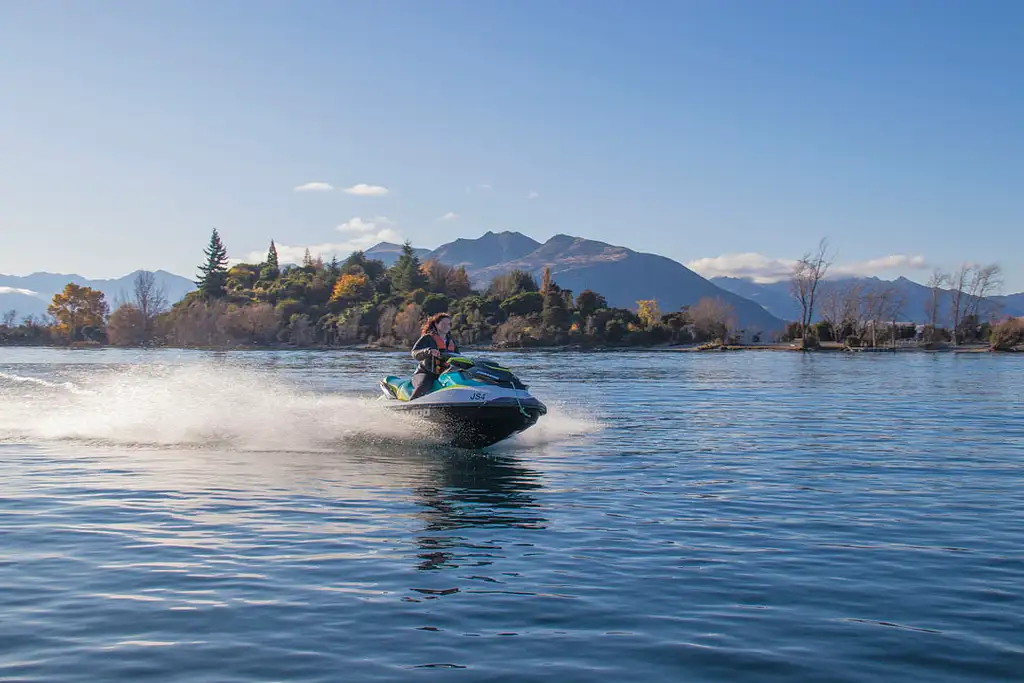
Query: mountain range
x=775, y=297
x=31, y=294
x=622, y=275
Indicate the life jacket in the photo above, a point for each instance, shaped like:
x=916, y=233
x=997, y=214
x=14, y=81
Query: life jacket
x=440, y=364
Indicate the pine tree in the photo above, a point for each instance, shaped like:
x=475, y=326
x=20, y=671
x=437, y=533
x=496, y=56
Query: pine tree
x=307, y=259
x=214, y=273
x=271, y=270
x=405, y=274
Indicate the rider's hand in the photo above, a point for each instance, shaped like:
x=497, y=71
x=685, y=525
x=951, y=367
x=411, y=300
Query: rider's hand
x=435, y=353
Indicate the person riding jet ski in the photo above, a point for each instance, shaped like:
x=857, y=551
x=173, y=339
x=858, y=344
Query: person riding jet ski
x=467, y=402
x=432, y=351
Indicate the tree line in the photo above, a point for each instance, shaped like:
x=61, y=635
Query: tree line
x=959, y=309
x=362, y=301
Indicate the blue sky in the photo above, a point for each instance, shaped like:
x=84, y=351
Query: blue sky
x=730, y=135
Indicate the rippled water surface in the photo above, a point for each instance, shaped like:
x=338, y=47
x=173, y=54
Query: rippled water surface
x=183, y=516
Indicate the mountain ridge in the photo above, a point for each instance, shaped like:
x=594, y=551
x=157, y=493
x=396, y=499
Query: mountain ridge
x=775, y=296
x=43, y=285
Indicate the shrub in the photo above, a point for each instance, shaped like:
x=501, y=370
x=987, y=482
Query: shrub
x=1007, y=335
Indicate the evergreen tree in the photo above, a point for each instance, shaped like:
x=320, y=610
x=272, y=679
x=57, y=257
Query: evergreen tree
x=405, y=274
x=271, y=269
x=214, y=273
x=307, y=259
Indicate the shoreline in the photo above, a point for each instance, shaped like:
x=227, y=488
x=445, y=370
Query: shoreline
x=690, y=348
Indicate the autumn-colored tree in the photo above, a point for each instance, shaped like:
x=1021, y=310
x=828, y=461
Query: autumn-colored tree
x=458, y=285
x=79, y=311
x=407, y=324
x=348, y=287
x=436, y=275
x=545, y=283
x=647, y=311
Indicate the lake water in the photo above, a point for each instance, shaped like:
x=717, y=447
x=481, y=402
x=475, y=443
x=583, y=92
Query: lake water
x=187, y=516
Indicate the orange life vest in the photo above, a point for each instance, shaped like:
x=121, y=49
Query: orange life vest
x=442, y=345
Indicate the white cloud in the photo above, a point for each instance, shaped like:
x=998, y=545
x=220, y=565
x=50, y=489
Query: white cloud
x=532, y=195
x=16, y=290
x=763, y=270
x=365, y=233
x=450, y=216
x=358, y=225
x=750, y=265
x=315, y=187
x=364, y=190
x=485, y=186
x=880, y=265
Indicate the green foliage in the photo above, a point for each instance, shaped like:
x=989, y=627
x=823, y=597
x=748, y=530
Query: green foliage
x=213, y=274
x=359, y=301
x=523, y=304
x=554, y=312
x=406, y=275
x=435, y=303
x=357, y=263
x=589, y=302
x=272, y=257
x=513, y=283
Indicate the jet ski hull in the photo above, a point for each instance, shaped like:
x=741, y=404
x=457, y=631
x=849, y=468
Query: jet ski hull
x=475, y=425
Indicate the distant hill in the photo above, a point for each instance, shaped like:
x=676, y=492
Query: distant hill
x=776, y=298
x=489, y=250
x=1012, y=304
x=31, y=294
x=622, y=275
x=24, y=302
x=389, y=253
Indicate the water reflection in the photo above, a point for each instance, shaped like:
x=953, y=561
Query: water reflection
x=469, y=492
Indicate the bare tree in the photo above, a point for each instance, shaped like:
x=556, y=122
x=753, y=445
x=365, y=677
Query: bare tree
x=985, y=281
x=840, y=307
x=971, y=288
x=958, y=283
x=882, y=305
x=9, y=318
x=935, y=283
x=807, y=274
x=713, y=319
x=150, y=298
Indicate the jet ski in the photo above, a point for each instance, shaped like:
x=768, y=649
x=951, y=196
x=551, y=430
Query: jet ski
x=473, y=404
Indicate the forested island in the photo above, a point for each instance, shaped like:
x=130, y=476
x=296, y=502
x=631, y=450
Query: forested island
x=361, y=302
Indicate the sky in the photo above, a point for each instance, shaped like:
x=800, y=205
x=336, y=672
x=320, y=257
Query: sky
x=730, y=136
